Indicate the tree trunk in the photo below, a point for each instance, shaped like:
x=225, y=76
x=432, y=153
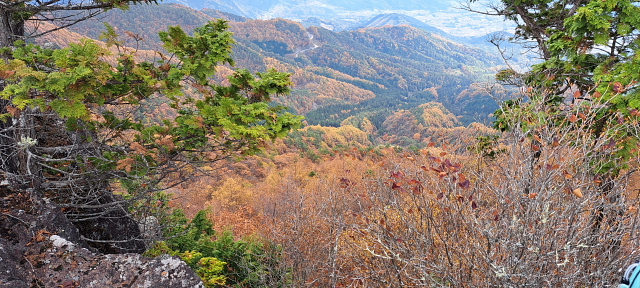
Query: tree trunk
x=8, y=157
x=10, y=30
x=11, y=27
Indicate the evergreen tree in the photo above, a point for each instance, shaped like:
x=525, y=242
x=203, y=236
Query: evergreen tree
x=70, y=130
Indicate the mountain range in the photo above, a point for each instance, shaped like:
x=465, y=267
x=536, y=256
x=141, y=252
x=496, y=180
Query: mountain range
x=338, y=15
x=302, y=8
x=353, y=77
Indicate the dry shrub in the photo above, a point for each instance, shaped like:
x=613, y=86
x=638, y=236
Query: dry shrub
x=307, y=207
x=538, y=215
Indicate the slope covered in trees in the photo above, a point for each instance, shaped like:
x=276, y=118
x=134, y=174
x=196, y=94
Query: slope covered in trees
x=72, y=143
x=543, y=200
x=365, y=72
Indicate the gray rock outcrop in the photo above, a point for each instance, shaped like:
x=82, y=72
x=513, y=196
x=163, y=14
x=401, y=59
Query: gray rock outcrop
x=40, y=247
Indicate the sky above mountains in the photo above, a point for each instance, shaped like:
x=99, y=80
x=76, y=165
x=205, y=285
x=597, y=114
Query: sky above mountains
x=345, y=14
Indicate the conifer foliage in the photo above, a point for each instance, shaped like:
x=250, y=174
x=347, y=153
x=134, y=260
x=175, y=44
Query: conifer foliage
x=71, y=128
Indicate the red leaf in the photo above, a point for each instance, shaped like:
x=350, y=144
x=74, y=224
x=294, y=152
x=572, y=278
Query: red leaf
x=440, y=195
x=344, y=182
x=474, y=205
x=611, y=144
x=552, y=167
x=465, y=184
x=618, y=87
x=397, y=175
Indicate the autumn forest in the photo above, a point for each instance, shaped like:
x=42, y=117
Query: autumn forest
x=267, y=153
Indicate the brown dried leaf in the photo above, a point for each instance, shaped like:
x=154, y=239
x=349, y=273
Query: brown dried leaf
x=167, y=141
x=4, y=74
x=577, y=192
x=582, y=116
x=597, y=94
x=14, y=111
x=97, y=118
x=138, y=148
x=577, y=94
x=596, y=179
x=567, y=175
x=125, y=164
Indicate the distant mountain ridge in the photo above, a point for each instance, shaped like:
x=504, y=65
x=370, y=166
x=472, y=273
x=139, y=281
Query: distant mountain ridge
x=396, y=19
x=338, y=15
x=264, y=8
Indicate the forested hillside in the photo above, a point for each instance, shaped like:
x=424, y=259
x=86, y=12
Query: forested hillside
x=363, y=73
x=263, y=153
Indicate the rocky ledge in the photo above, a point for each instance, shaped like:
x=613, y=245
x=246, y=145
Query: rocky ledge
x=39, y=247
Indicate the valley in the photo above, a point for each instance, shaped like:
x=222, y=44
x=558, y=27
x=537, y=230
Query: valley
x=368, y=73
x=305, y=143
